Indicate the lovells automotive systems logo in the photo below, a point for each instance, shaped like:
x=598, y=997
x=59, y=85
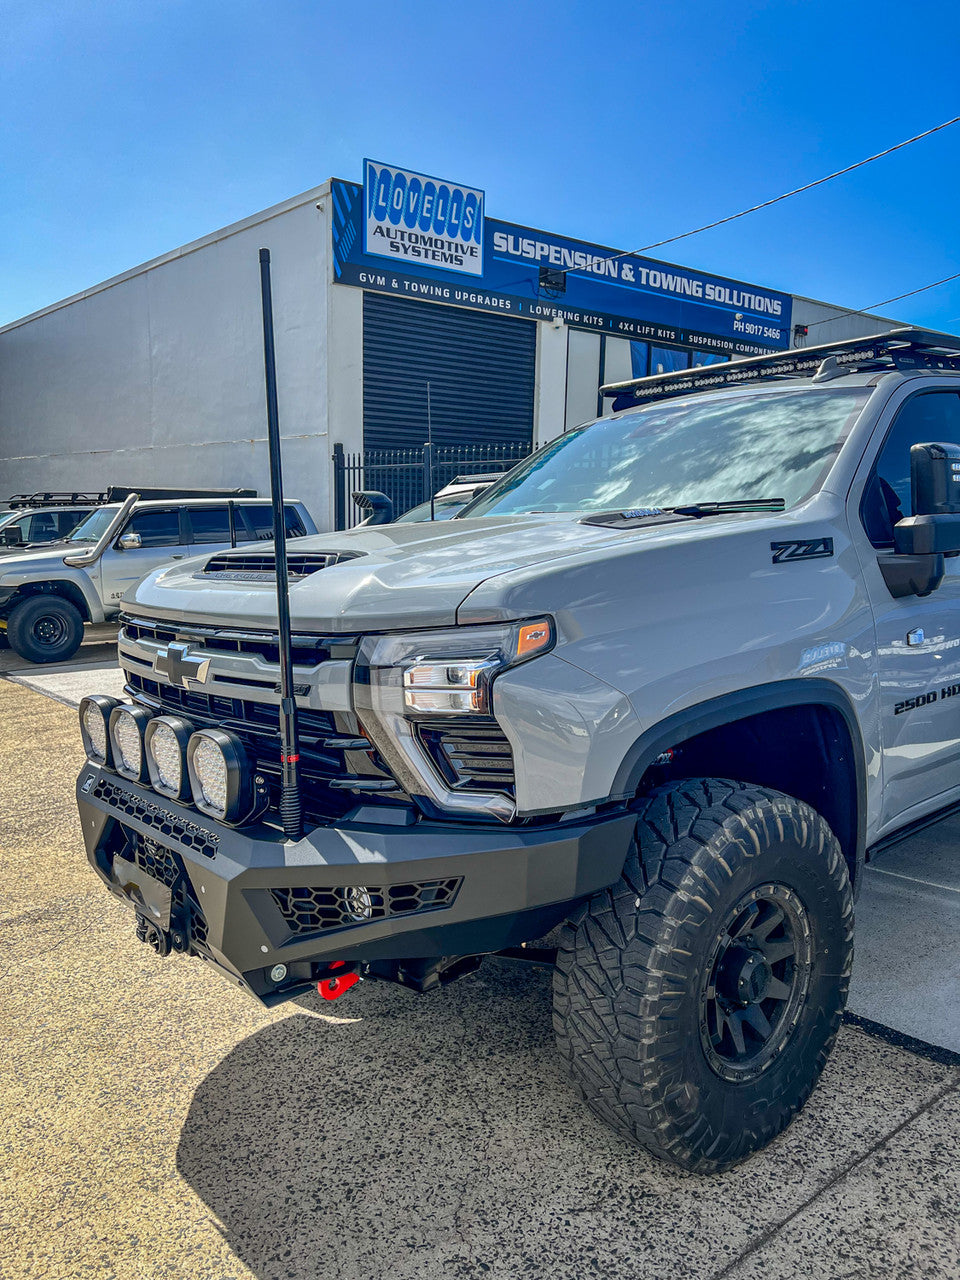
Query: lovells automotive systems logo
x=417, y=220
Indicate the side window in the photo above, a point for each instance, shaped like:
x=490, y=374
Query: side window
x=23, y=524
x=293, y=522
x=260, y=521
x=160, y=528
x=69, y=520
x=43, y=527
x=210, y=524
x=932, y=416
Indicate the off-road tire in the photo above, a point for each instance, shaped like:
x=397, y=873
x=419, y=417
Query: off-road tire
x=45, y=628
x=633, y=976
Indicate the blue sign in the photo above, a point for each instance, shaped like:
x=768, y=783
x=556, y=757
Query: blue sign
x=587, y=285
x=416, y=220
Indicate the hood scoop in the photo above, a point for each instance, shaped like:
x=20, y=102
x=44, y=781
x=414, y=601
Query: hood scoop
x=261, y=566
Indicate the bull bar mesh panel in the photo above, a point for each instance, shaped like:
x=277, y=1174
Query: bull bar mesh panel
x=309, y=910
x=165, y=824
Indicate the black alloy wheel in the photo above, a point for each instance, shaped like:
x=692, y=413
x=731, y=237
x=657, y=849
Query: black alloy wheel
x=697, y=999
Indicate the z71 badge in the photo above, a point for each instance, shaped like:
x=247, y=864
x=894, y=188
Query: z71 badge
x=809, y=549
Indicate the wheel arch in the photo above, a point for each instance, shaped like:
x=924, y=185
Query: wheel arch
x=63, y=587
x=744, y=735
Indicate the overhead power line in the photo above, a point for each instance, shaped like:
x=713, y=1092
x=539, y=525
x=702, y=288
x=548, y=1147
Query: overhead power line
x=808, y=186
x=886, y=302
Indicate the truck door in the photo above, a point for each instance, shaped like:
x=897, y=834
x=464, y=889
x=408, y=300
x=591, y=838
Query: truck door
x=918, y=638
x=161, y=540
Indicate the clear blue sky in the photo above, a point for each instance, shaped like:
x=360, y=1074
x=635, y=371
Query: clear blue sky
x=131, y=128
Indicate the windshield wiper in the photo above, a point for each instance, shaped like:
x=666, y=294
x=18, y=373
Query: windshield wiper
x=637, y=517
x=727, y=508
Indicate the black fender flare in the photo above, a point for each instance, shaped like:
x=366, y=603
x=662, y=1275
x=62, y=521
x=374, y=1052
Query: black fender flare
x=740, y=705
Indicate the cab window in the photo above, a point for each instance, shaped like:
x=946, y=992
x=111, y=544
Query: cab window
x=210, y=524
x=260, y=522
x=159, y=528
x=929, y=418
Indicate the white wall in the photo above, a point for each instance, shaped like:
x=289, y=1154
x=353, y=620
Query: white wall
x=832, y=324
x=551, y=382
x=156, y=377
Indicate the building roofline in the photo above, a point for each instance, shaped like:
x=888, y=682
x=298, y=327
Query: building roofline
x=265, y=215
x=319, y=192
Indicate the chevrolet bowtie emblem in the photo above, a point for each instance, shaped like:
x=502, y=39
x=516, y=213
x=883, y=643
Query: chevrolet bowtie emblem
x=179, y=665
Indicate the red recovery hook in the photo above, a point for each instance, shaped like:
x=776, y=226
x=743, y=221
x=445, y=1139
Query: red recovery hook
x=337, y=986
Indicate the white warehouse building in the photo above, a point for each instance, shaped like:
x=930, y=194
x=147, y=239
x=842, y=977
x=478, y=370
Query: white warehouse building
x=401, y=310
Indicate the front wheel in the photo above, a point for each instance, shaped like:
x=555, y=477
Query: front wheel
x=696, y=1001
x=45, y=628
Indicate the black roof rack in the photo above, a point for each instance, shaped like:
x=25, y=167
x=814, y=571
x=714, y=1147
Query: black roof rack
x=117, y=493
x=20, y=500
x=896, y=349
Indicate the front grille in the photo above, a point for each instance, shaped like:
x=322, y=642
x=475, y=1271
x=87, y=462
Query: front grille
x=474, y=757
x=125, y=804
x=262, y=566
x=323, y=748
x=309, y=910
x=308, y=650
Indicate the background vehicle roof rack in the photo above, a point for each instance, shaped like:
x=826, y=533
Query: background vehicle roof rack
x=896, y=349
x=51, y=499
x=117, y=492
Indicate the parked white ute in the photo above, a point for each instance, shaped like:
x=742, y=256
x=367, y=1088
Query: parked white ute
x=46, y=595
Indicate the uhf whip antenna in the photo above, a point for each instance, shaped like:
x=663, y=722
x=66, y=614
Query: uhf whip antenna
x=290, y=812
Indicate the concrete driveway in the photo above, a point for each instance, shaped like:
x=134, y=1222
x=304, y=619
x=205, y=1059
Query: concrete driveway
x=159, y=1124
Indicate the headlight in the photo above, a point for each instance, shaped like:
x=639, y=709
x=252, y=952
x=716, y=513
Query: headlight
x=95, y=728
x=220, y=775
x=451, y=672
x=165, y=741
x=401, y=679
x=127, y=727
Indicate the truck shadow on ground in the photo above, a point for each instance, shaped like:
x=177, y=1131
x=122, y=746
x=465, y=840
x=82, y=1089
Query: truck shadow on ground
x=400, y=1135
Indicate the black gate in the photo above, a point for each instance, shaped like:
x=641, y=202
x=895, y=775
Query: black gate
x=410, y=476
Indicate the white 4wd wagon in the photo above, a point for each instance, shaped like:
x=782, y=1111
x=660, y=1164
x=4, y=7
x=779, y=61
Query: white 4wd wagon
x=47, y=594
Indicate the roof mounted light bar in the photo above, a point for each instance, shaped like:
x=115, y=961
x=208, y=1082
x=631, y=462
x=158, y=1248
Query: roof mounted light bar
x=896, y=349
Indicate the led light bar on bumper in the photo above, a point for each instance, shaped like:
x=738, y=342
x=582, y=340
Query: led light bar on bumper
x=206, y=767
x=401, y=679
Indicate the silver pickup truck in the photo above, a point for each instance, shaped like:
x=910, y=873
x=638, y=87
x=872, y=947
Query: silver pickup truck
x=48, y=593
x=665, y=685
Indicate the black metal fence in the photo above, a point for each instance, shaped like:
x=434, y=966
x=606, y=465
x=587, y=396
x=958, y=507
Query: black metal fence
x=410, y=476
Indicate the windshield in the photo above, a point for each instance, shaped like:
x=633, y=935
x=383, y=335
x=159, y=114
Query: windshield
x=712, y=449
x=91, y=529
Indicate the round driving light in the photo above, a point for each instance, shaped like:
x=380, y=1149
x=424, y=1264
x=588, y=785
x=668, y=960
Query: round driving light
x=127, y=727
x=166, y=741
x=358, y=903
x=95, y=728
x=278, y=973
x=220, y=775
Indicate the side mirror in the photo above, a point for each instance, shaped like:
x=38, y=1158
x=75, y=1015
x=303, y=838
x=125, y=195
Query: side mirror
x=377, y=504
x=922, y=539
x=12, y=537
x=129, y=541
x=934, y=527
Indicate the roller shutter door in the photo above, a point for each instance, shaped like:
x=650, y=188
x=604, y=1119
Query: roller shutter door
x=480, y=368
